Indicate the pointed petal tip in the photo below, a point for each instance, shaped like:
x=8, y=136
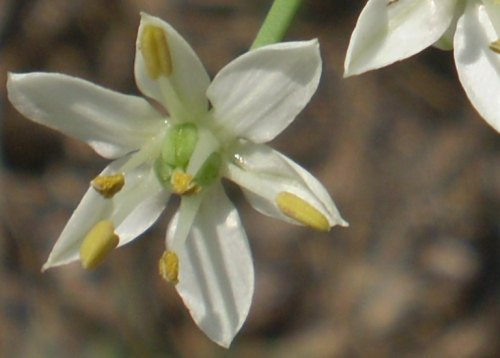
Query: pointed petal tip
x=11, y=78
x=44, y=268
x=47, y=265
x=337, y=221
x=348, y=71
x=145, y=16
x=314, y=42
x=225, y=345
x=343, y=223
x=351, y=69
x=51, y=264
x=10, y=75
x=14, y=76
x=225, y=340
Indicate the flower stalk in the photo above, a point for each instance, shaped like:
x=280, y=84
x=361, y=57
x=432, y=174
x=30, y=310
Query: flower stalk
x=277, y=22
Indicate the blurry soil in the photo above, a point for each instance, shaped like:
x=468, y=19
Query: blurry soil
x=411, y=165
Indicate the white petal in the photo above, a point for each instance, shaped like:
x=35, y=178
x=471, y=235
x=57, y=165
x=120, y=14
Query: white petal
x=389, y=32
x=477, y=65
x=179, y=229
x=183, y=92
x=260, y=93
x=111, y=123
x=493, y=9
x=133, y=210
x=139, y=204
x=446, y=40
x=216, y=277
x=263, y=173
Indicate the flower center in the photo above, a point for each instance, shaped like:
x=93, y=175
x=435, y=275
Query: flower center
x=182, y=183
x=188, y=161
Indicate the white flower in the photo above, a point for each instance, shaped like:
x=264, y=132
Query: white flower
x=212, y=131
x=391, y=30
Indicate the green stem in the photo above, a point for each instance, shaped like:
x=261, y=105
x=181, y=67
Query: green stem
x=277, y=22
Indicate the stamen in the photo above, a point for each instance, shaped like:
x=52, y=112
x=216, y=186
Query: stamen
x=182, y=183
x=296, y=208
x=98, y=244
x=495, y=46
x=168, y=267
x=156, y=53
x=108, y=185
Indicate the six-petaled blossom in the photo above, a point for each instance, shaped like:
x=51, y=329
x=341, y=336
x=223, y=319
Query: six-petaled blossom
x=391, y=30
x=212, y=130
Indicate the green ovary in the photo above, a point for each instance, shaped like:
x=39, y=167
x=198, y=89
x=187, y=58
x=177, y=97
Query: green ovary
x=178, y=147
x=209, y=171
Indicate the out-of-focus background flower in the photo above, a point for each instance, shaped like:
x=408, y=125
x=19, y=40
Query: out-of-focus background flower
x=411, y=165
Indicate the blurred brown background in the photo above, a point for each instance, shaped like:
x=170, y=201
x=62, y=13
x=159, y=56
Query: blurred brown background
x=410, y=164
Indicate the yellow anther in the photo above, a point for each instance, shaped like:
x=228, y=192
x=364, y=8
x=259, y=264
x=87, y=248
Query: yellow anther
x=155, y=50
x=300, y=210
x=495, y=46
x=168, y=267
x=182, y=183
x=98, y=244
x=108, y=185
